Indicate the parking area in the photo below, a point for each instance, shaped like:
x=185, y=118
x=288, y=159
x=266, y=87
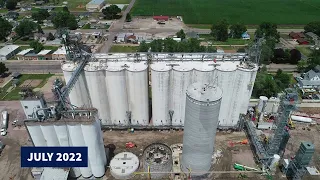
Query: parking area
x=149, y=23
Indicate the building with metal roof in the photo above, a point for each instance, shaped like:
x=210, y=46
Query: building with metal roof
x=95, y=5
x=55, y=174
x=8, y=51
x=21, y=54
x=45, y=55
x=59, y=54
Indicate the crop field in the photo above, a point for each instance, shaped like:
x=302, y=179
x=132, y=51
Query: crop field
x=249, y=12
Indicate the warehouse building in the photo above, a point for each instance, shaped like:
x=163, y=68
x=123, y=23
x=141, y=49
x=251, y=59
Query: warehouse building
x=8, y=52
x=95, y=5
x=59, y=54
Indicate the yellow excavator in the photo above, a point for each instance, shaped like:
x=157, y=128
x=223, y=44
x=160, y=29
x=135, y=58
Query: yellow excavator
x=291, y=125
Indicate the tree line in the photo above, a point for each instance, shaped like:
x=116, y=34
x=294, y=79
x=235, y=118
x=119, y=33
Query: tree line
x=219, y=30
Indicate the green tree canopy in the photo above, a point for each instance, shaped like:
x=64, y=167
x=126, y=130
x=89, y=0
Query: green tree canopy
x=111, y=12
x=143, y=47
x=11, y=4
x=181, y=34
x=5, y=28
x=37, y=46
x=51, y=36
x=313, y=27
x=220, y=30
x=268, y=30
x=26, y=28
x=65, y=20
x=3, y=68
x=128, y=17
x=40, y=15
x=236, y=30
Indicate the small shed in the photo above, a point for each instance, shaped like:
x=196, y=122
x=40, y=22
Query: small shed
x=245, y=36
x=302, y=41
x=298, y=35
x=161, y=18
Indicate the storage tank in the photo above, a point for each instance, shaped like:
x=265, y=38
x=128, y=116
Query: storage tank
x=202, y=112
x=301, y=119
x=92, y=140
x=50, y=135
x=95, y=77
x=37, y=135
x=123, y=165
x=117, y=93
x=158, y=158
x=79, y=95
x=137, y=76
x=226, y=73
x=262, y=102
x=275, y=106
x=203, y=72
x=103, y=149
x=181, y=78
x=160, y=83
x=249, y=72
x=274, y=163
x=77, y=139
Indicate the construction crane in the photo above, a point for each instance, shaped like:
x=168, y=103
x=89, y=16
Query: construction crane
x=79, y=54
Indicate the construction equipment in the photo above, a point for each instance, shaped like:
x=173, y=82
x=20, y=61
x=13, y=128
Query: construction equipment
x=241, y=167
x=231, y=143
x=291, y=125
x=130, y=145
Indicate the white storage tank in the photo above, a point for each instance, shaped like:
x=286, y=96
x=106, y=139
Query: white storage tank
x=160, y=83
x=301, y=119
x=79, y=95
x=203, y=72
x=123, y=165
x=181, y=78
x=137, y=76
x=274, y=163
x=117, y=92
x=95, y=77
x=226, y=73
x=262, y=103
x=92, y=139
x=202, y=112
x=50, y=135
x=37, y=135
x=272, y=105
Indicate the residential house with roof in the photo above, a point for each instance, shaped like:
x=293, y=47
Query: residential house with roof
x=299, y=37
x=8, y=52
x=12, y=15
x=59, y=54
x=95, y=5
x=21, y=54
x=245, y=36
x=313, y=36
x=42, y=38
x=310, y=79
x=45, y=55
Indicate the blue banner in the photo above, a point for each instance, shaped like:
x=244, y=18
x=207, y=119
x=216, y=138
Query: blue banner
x=54, y=156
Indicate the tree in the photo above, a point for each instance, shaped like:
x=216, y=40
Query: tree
x=181, y=34
x=37, y=46
x=3, y=68
x=26, y=28
x=5, y=28
x=143, y=47
x=40, y=15
x=111, y=12
x=128, y=17
x=266, y=54
x=64, y=19
x=2, y=2
x=302, y=66
x=268, y=30
x=313, y=27
x=220, y=30
x=236, y=30
x=295, y=56
x=11, y=4
x=51, y=36
x=65, y=9
x=282, y=79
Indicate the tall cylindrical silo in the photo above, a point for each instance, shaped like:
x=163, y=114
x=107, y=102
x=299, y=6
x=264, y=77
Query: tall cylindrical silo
x=79, y=95
x=137, y=76
x=117, y=93
x=104, y=158
x=37, y=135
x=180, y=80
x=202, y=112
x=203, y=72
x=77, y=139
x=262, y=103
x=226, y=73
x=95, y=77
x=249, y=74
x=50, y=135
x=91, y=138
x=160, y=83
x=123, y=165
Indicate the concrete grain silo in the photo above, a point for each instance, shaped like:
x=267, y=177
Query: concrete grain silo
x=202, y=111
x=203, y=72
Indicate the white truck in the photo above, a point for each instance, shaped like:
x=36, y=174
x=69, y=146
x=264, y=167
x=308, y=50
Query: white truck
x=4, y=125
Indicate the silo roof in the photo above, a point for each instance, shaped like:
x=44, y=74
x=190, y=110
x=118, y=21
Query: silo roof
x=184, y=66
x=204, y=92
x=137, y=66
x=227, y=66
x=124, y=164
x=160, y=66
x=116, y=66
x=68, y=67
x=203, y=66
x=95, y=66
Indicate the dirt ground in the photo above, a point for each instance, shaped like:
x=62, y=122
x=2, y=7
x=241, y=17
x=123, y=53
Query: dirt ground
x=149, y=23
x=46, y=89
x=3, y=81
x=31, y=83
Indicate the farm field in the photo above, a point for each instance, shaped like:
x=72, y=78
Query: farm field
x=249, y=12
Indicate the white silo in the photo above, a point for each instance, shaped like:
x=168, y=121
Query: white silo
x=92, y=140
x=274, y=163
x=117, y=93
x=104, y=158
x=123, y=165
x=36, y=135
x=262, y=103
x=137, y=76
x=160, y=83
x=95, y=77
x=181, y=78
x=202, y=112
x=226, y=72
x=50, y=135
x=203, y=72
x=79, y=95
x=77, y=139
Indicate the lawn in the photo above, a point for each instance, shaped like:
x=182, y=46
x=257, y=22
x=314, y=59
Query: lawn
x=76, y=5
x=250, y=12
x=86, y=26
x=230, y=41
x=125, y=49
x=3, y=10
x=118, y=1
x=14, y=94
x=304, y=50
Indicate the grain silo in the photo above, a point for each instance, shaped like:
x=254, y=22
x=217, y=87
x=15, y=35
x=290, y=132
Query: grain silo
x=181, y=78
x=226, y=73
x=117, y=93
x=157, y=158
x=95, y=77
x=123, y=165
x=202, y=112
x=203, y=72
x=79, y=94
x=137, y=82
x=160, y=83
x=50, y=135
x=262, y=103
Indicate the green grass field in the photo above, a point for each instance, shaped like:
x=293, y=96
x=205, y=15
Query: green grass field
x=304, y=50
x=118, y=1
x=250, y=12
x=125, y=49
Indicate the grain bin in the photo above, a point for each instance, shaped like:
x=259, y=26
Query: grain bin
x=262, y=103
x=202, y=111
x=123, y=165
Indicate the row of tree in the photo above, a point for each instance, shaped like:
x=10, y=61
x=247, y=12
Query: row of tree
x=313, y=27
x=9, y=4
x=310, y=63
x=220, y=29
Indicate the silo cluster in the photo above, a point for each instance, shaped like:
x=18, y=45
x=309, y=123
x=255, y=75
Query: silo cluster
x=123, y=165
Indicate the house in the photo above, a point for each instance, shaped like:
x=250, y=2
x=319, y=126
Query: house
x=31, y=56
x=94, y=5
x=245, y=36
x=192, y=34
x=39, y=3
x=40, y=37
x=161, y=18
x=15, y=75
x=298, y=35
x=26, y=8
x=302, y=41
x=12, y=15
x=45, y=55
x=131, y=39
x=311, y=79
x=59, y=54
x=8, y=52
x=313, y=36
x=121, y=37
x=21, y=55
